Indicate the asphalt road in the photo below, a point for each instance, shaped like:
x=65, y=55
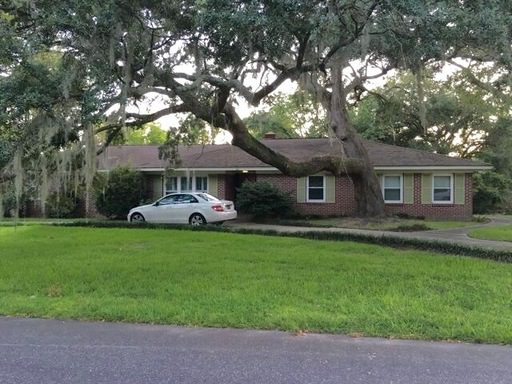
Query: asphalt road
x=52, y=351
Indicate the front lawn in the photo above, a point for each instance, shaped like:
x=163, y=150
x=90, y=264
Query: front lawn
x=501, y=232
x=249, y=281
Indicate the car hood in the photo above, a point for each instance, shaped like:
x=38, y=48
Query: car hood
x=141, y=207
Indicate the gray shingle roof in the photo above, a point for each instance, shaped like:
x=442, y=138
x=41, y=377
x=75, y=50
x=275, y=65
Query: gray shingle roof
x=228, y=156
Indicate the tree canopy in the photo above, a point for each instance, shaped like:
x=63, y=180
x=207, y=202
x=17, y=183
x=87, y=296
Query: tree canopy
x=294, y=115
x=203, y=57
x=458, y=116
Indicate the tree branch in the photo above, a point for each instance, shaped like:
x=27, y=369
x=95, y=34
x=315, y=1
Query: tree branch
x=242, y=139
x=479, y=83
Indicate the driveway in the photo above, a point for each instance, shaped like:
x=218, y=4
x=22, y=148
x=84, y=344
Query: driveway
x=52, y=351
x=453, y=236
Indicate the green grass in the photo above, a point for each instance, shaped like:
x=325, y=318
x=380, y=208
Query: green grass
x=9, y=221
x=249, y=281
x=387, y=224
x=500, y=232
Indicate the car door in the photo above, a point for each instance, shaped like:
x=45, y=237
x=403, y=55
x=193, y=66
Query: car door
x=184, y=206
x=163, y=211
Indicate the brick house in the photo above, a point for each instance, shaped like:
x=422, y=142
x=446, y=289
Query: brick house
x=414, y=182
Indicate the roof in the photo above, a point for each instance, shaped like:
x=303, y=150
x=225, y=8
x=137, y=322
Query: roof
x=229, y=157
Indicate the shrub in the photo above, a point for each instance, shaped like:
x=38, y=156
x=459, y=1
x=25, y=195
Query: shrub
x=8, y=208
x=411, y=228
x=62, y=206
x=263, y=200
x=493, y=192
x=118, y=192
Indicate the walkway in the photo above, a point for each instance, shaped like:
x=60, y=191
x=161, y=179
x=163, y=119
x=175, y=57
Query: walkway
x=453, y=236
x=52, y=351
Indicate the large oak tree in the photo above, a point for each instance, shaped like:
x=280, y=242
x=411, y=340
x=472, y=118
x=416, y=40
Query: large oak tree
x=205, y=57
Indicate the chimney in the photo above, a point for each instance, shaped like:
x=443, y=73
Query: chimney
x=269, y=135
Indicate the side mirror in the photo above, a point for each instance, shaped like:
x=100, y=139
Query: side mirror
x=156, y=203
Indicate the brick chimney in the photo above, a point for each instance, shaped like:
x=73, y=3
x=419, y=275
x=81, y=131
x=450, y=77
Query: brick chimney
x=269, y=135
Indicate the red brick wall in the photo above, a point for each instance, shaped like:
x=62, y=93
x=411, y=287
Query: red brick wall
x=345, y=202
x=436, y=211
x=344, y=196
x=221, y=186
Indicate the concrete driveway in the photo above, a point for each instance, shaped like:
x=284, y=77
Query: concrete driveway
x=52, y=351
x=452, y=236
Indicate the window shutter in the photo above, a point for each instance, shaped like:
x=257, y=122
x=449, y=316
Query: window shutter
x=158, y=187
x=301, y=190
x=213, y=185
x=330, y=189
x=408, y=188
x=460, y=190
x=426, y=188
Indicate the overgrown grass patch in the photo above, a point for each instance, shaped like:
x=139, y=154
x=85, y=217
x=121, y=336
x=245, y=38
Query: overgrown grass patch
x=232, y=280
x=500, y=232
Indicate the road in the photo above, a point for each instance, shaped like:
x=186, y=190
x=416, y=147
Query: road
x=53, y=351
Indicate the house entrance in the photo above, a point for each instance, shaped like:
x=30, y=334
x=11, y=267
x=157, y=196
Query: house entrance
x=235, y=181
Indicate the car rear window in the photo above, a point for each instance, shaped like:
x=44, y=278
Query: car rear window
x=207, y=197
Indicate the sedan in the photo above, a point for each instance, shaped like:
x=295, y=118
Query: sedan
x=195, y=208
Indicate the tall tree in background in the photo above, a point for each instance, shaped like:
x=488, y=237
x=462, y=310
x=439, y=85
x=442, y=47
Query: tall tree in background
x=148, y=134
x=458, y=116
x=203, y=56
x=289, y=116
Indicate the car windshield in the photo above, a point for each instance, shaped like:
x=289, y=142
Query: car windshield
x=207, y=197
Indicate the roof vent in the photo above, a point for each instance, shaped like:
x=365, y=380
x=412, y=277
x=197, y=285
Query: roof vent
x=269, y=135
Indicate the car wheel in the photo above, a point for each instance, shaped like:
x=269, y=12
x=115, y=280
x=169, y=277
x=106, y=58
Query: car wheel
x=197, y=219
x=137, y=218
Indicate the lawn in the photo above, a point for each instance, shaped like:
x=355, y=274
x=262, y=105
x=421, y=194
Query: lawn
x=249, y=281
x=501, y=232
x=386, y=224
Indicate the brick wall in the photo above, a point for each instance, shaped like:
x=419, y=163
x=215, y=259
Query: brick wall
x=344, y=196
x=345, y=202
x=436, y=211
x=221, y=186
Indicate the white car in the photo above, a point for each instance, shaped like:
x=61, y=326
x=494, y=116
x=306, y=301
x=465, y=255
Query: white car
x=195, y=208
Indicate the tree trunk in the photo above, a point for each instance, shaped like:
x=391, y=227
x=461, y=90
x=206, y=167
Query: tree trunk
x=367, y=189
x=422, y=108
x=352, y=161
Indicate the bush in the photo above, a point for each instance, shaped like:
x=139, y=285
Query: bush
x=8, y=204
x=118, y=192
x=493, y=192
x=62, y=206
x=263, y=200
x=8, y=208
x=411, y=228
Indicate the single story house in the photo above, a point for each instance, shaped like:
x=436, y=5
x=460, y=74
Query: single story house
x=414, y=182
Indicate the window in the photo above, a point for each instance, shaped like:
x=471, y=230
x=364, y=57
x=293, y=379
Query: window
x=207, y=197
x=168, y=200
x=202, y=184
x=442, y=187
x=186, y=183
x=392, y=188
x=186, y=199
x=316, y=189
x=171, y=185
